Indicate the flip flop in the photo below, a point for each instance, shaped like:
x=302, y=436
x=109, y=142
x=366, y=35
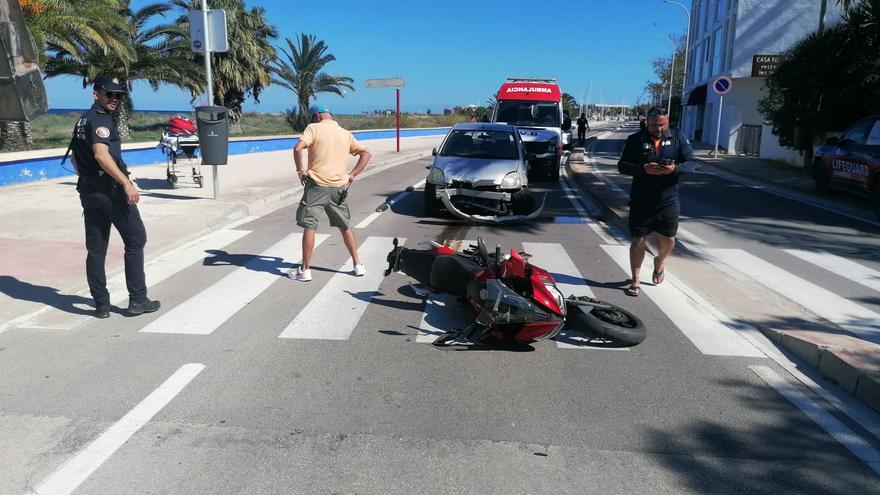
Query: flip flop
x=658, y=277
x=632, y=291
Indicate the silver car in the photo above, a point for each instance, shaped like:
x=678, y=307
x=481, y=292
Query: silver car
x=480, y=174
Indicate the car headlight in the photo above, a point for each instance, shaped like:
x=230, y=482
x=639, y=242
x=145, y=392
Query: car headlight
x=511, y=181
x=436, y=176
x=551, y=148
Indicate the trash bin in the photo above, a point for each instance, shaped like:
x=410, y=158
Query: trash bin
x=213, y=129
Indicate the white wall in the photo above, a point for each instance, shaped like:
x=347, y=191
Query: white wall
x=772, y=150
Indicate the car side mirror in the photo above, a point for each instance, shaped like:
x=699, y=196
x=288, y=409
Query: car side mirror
x=434, y=152
x=832, y=141
x=531, y=156
x=847, y=142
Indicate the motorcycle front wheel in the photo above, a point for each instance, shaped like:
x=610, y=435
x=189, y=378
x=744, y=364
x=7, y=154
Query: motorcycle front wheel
x=609, y=321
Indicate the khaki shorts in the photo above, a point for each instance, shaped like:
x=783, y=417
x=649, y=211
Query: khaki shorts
x=317, y=199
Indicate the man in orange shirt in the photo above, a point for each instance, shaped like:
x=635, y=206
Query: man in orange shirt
x=655, y=157
x=324, y=182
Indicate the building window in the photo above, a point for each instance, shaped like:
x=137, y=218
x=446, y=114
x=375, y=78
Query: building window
x=720, y=9
x=705, y=60
x=695, y=19
x=717, y=51
x=707, y=16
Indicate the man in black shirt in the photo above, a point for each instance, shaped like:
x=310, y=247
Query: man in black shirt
x=108, y=197
x=583, y=127
x=656, y=157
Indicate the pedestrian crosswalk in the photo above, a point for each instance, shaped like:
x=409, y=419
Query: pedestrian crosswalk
x=334, y=312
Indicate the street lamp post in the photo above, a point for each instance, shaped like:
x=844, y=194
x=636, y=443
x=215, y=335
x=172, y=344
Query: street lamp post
x=687, y=39
x=671, y=75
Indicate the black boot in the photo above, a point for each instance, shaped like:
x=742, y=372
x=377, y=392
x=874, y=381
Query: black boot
x=102, y=312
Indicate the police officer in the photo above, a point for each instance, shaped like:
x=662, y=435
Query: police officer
x=656, y=157
x=583, y=127
x=108, y=197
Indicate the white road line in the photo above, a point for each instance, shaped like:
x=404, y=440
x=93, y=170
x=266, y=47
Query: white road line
x=442, y=313
x=709, y=330
x=76, y=470
x=335, y=311
x=841, y=266
x=853, y=318
x=157, y=270
x=839, y=431
x=690, y=237
x=210, y=308
x=553, y=258
x=395, y=199
x=575, y=199
x=368, y=220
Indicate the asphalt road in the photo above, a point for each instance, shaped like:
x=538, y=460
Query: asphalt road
x=235, y=386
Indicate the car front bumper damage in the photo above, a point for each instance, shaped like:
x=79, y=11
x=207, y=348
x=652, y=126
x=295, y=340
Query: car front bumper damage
x=446, y=199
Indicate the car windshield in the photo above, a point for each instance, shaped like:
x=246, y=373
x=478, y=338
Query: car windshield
x=528, y=113
x=498, y=145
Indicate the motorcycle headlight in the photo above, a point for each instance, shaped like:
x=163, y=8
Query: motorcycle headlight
x=436, y=176
x=560, y=299
x=511, y=181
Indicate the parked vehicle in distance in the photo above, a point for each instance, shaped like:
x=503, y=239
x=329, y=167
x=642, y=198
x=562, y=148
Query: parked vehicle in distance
x=852, y=161
x=480, y=174
x=534, y=106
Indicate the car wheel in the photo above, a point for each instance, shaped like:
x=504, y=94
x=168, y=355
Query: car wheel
x=820, y=177
x=432, y=204
x=523, y=202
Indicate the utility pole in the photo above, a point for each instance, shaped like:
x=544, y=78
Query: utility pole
x=823, y=7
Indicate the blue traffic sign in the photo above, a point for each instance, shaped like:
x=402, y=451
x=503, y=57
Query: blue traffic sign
x=722, y=85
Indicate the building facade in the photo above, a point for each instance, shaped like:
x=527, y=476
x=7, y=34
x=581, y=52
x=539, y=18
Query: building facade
x=738, y=39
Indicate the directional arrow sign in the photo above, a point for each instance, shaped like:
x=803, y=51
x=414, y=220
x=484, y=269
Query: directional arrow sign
x=394, y=82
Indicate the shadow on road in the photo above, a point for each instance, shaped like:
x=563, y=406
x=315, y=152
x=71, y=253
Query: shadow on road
x=42, y=294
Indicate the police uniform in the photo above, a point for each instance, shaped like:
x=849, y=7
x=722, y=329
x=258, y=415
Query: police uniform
x=653, y=200
x=104, y=204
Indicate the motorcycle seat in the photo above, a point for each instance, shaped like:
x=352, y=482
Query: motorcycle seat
x=452, y=274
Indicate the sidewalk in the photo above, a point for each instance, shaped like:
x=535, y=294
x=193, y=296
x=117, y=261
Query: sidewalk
x=852, y=363
x=41, y=227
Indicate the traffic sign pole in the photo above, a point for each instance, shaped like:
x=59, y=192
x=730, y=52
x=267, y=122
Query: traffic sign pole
x=718, y=127
x=721, y=86
x=208, y=79
x=392, y=82
x=398, y=120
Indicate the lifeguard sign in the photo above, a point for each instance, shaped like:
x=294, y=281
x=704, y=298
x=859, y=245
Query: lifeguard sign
x=22, y=94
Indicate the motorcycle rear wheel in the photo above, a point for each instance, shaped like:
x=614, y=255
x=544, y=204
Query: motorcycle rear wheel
x=612, y=322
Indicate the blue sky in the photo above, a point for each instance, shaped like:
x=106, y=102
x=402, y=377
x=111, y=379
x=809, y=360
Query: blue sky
x=454, y=52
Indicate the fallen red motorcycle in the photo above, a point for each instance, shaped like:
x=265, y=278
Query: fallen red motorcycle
x=514, y=301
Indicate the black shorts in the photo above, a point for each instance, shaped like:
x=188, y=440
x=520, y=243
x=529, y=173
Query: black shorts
x=644, y=220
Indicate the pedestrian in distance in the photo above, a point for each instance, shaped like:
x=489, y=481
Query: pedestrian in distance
x=325, y=182
x=583, y=127
x=656, y=157
x=108, y=198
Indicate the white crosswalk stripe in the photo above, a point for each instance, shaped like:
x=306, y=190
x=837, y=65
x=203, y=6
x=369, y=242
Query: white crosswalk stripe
x=207, y=310
x=334, y=312
x=442, y=311
x=553, y=258
x=841, y=266
x=848, y=315
x=710, y=331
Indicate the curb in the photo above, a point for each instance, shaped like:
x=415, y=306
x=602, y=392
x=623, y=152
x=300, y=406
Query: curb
x=850, y=362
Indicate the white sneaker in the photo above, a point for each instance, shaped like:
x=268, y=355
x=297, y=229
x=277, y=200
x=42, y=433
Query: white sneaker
x=300, y=275
x=359, y=270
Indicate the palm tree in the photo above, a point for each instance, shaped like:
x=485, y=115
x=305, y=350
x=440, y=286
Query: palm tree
x=301, y=71
x=61, y=25
x=148, y=57
x=243, y=71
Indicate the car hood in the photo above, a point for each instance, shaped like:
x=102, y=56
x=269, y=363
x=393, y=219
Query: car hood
x=475, y=169
x=537, y=135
